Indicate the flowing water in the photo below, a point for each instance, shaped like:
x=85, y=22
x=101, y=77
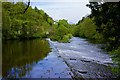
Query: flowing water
x=51, y=59
x=84, y=59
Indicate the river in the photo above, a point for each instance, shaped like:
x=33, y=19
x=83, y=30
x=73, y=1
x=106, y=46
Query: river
x=51, y=59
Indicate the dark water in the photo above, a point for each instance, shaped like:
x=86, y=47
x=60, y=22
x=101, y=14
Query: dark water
x=19, y=57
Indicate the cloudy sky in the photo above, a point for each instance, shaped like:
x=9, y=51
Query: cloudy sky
x=71, y=10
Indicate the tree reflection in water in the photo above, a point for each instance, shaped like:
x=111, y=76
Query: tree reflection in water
x=19, y=56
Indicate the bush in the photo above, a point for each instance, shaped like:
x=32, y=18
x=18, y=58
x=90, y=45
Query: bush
x=66, y=38
x=61, y=31
x=116, y=59
x=87, y=29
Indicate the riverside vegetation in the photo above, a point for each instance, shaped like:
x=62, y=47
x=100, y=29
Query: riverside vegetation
x=32, y=24
x=101, y=26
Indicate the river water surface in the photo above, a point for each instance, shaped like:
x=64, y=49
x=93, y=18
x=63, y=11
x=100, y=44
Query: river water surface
x=32, y=59
x=50, y=59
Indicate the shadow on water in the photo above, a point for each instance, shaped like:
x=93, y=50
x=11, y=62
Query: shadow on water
x=19, y=56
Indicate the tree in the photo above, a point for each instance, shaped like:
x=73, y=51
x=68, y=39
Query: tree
x=33, y=23
x=107, y=18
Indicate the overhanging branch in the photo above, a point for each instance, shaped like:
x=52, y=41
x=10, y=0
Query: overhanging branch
x=27, y=6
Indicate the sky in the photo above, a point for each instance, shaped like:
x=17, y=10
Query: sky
x=71, y=10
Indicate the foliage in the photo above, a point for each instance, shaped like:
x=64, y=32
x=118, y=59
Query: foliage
x=18, y=25
x=107, y=19
x=86, y=28
x=34, y=23
x=116, y=59
x=61, y=31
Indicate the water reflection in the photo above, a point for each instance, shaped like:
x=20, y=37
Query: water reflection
x=19, y=56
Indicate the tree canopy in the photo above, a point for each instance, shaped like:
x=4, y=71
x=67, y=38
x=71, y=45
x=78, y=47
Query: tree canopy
x=107, y=19
x=33, y=23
